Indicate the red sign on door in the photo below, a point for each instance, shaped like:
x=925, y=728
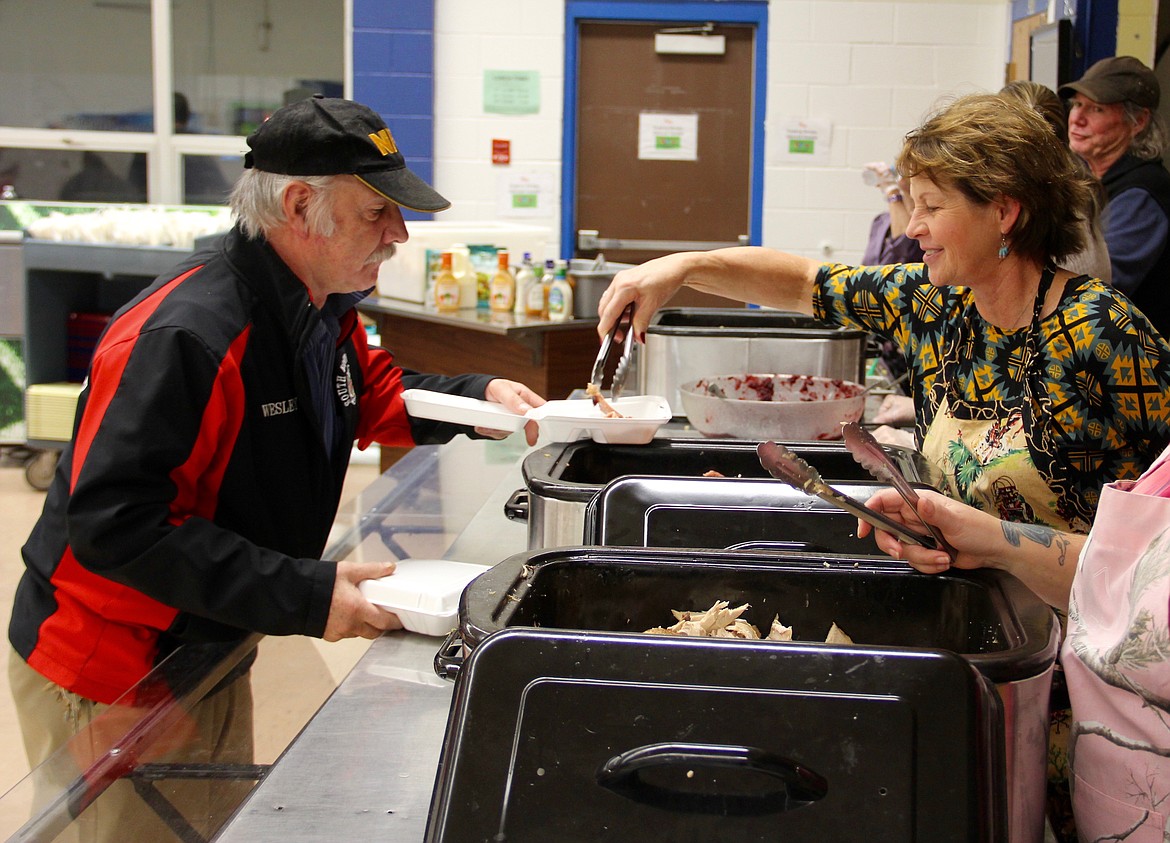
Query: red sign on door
x=501, y=151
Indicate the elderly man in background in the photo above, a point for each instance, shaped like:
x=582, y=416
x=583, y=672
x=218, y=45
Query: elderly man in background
x=1114, y=127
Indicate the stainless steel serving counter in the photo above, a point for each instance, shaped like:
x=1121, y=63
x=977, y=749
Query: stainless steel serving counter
x=364, y=766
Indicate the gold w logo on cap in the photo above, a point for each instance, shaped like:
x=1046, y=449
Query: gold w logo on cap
x=384, y=142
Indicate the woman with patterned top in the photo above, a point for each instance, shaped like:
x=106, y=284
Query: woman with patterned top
x=1033, y=387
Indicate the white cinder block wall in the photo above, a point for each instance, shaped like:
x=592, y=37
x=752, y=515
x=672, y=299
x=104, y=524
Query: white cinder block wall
x=872, y=68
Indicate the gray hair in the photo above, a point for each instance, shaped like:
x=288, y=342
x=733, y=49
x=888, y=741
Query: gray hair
x=257, y=201
x=1150, y=142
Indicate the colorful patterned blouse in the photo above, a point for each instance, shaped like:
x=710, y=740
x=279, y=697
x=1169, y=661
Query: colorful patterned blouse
x=1095, y=395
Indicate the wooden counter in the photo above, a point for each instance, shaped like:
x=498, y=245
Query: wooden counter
x=552, y=358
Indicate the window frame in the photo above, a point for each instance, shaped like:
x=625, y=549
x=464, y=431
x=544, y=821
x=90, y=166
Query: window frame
x=163, y=147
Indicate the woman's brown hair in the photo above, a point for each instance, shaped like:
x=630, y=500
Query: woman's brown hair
x=990, y=146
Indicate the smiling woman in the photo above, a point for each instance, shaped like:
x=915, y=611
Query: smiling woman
x=1032, y=387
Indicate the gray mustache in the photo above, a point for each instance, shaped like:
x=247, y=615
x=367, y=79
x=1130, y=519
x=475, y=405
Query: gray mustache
x=383, y=254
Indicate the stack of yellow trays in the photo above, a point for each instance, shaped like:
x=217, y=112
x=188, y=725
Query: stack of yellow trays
x=49, y=410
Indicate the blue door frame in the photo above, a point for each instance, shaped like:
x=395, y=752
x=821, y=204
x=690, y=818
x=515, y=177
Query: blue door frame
x=1095, y=32
x=1094, y=28
x=652, y=11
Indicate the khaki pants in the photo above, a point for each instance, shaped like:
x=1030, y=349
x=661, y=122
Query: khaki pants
x=217, y=730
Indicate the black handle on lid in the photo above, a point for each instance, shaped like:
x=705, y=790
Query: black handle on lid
x=449, y=659
x=624, y=775
x=516, y=507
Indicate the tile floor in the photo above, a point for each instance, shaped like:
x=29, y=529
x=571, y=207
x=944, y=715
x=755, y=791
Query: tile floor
x=291, y=679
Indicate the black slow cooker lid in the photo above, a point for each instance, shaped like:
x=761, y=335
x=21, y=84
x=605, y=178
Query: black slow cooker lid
x=709, y=512
x=555, y=735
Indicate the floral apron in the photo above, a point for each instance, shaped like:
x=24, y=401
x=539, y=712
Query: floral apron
x=995, y=471
x=986, y=462
x=1116, y=659
x=985, y=459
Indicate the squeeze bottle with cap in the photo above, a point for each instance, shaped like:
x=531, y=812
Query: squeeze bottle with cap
x=525, y=278
x=446, y=287
x=560, y=297
x=537, y=307
x=464, y=274
x=502, y=293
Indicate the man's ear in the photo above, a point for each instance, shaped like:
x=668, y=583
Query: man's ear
x=1140, y=122
x=295, y=203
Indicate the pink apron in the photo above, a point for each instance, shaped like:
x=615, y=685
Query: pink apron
x=1116, y=659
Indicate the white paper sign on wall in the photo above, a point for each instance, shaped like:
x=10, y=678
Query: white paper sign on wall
x=668, y=137
x=531, y=194
x=806, y=141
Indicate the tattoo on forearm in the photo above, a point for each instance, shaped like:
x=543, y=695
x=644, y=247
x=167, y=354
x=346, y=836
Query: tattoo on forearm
x=1041, y=535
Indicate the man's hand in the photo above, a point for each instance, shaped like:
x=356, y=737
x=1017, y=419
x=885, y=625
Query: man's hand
x=351, y=615
x=516, y=398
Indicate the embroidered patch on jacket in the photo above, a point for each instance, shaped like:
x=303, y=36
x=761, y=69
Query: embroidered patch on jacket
x=344, y=380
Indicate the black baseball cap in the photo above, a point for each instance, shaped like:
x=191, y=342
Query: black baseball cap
x=1117, y=79
x=327, y=136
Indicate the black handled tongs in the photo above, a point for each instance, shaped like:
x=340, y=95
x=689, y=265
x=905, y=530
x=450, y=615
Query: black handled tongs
x=784, y=465
x=626, y=319
x=871, y=456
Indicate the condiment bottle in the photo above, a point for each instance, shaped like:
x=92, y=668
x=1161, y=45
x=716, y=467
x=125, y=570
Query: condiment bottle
x=502, y=293
x=446, y=287
x=464, y=274
x=525, y=278
x=537, y=299
x=560, y=297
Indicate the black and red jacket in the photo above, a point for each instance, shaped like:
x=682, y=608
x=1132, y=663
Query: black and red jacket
x=197, y=495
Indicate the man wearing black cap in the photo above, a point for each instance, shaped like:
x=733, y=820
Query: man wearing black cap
x=212, y=440
x=1113, y=124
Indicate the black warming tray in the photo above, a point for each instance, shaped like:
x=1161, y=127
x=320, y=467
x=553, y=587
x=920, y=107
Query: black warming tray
x=568, y=722
x=559, y=735
x=560, y=479
x=577, y=470
x=986, y=616
x=709, y=512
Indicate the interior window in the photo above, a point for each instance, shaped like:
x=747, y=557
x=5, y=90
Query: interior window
x=81, y=66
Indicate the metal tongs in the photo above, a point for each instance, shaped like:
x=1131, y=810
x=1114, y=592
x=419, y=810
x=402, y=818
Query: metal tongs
x=784, y=465
x=870, y=455
x=623, y=364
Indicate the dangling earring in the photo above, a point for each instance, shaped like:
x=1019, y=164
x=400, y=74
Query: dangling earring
x=1003, y=247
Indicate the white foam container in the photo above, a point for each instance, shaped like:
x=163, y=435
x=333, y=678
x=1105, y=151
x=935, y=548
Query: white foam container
x=460, y=409
x=572, y=419
x=424, y=593
x=404, y=276
x=560, y=421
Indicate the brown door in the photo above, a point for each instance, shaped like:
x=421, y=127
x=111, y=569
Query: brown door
x=642, y=206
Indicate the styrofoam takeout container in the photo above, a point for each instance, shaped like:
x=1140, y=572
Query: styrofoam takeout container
x=424, y=593
x=459, y=409
x=562, y=421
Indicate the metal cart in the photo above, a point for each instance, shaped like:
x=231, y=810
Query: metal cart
x=62, y=279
